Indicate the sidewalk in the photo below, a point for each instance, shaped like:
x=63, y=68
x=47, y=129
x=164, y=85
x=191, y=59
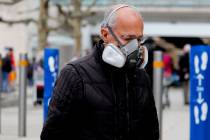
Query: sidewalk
x=10, y=123
x=175, y=120
x=11, y=99
x=9, y=117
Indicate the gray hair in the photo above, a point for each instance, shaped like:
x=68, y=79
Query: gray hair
x=110, y=15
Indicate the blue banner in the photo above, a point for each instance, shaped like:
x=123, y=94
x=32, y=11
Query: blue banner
x=200, y=93
x=51, y=65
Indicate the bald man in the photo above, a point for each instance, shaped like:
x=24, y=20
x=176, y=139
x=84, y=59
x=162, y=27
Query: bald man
x=106, y=95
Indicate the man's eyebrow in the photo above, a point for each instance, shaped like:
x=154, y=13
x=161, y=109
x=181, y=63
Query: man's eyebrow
x=131, y=36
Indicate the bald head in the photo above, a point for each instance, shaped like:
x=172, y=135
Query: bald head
x=121, y=11
x=124, y=20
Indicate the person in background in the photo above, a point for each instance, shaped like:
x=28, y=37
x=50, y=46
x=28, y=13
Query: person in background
x=6, y=69
x=30, y=72
x=184, y=72
x=38, y=79
x=167, y=77
x=12, y=74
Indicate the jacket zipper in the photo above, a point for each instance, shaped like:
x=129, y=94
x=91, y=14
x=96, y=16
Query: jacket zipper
x=115, y=108
x=127, y=103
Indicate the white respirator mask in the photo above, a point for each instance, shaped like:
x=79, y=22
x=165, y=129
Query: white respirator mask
x=131, y=54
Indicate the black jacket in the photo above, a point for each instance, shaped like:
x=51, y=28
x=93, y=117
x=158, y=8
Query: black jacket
x=95, y=101
x=6, y=64
x=184, y=67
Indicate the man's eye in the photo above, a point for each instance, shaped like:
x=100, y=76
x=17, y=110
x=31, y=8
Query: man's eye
x=127, y=39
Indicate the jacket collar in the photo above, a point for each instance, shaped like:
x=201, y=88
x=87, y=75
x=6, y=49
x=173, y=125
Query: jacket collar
x=99, y=48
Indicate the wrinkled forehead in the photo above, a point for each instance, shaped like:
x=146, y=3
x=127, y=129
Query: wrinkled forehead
x=129, y=24
x=128, y=18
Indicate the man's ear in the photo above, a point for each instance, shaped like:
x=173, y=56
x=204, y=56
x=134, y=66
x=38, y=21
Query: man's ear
x=104, y=34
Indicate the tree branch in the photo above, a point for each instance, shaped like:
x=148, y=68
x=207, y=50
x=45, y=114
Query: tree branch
x=87, y=14
x=12, y=2
x=164, y=44
x=61, y=11
x=21, y=21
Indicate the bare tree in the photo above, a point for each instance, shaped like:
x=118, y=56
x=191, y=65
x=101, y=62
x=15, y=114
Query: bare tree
x=74, y=19
x=43, y=29
x=11, y=22
x=14, y=21
x=41, y=22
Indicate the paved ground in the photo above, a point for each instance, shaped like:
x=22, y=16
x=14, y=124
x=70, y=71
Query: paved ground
x=9, y=117
x=175, y=120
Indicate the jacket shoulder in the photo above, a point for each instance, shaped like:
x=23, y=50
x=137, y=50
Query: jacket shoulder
x=68, y=82
x=83, y=60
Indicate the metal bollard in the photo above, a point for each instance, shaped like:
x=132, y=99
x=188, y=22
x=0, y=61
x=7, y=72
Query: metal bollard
x=22, y=94
x=1, y=86
x=158, y=84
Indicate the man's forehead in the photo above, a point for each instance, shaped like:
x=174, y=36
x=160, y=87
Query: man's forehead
x=134, y=31
x=129, y=18
x=128, y=29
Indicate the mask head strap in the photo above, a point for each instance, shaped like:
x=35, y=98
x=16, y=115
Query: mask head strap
x=106, y=22
x=108, y=19
x=112, y=12
x=113, y=34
